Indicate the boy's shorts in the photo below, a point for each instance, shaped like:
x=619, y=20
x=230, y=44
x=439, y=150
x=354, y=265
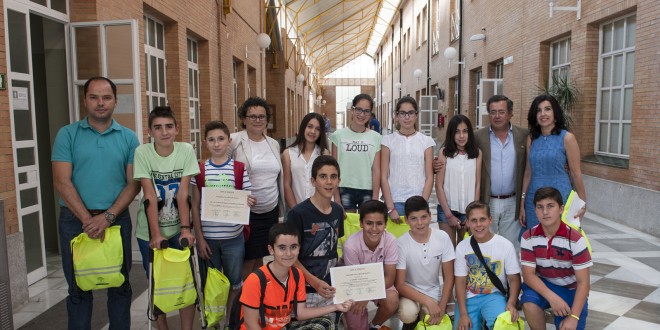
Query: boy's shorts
x=441, y=215
x=483, y=307
x=531, y=296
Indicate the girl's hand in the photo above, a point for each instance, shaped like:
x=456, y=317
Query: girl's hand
x=580, y=214
x=394, y=215
x=453, y=221
x=521, y=216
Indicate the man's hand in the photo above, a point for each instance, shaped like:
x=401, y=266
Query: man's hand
x=325, y=290
x=464, y=323
x=359, y=307
x=203, y=249
x=95, y=227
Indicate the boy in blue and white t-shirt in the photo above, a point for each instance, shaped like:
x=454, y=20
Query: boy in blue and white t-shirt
x=222, y=243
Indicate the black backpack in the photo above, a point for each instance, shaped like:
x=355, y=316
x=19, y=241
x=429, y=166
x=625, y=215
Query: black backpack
x=235, y=319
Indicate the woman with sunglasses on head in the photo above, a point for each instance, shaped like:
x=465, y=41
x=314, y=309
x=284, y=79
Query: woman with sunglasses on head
x=261, y=156
x=357, y=149
x=406, y=160
x=298, y=158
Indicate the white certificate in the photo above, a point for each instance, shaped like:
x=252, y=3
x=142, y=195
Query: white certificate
x=224, y=205
x=358, y=282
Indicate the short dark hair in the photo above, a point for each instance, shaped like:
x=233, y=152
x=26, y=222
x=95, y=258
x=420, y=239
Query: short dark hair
x=477, y=205
x=548, y=192
x=416, y=203
x=372, y=206
x=215, y=124
x=533, y=125
x=254, y=101
x=451, y=148
x=406, y=99
x=324, y=160
x=497, y=98
x=99, y=78
x=279, y=229
x=161, y=112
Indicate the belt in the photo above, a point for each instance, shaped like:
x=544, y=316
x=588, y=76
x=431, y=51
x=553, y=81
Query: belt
x=503, y=196
x=95, y=212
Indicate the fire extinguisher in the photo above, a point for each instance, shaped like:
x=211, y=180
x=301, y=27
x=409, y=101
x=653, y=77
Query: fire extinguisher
x=441, y=121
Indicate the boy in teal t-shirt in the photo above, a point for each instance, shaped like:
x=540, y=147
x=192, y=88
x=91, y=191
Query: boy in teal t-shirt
x=164, y=169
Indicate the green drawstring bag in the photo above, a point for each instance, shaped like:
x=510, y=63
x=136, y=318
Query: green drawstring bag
x=97, y=265
x=445, y=324
x=174, y=286
x=503, y=322
x=216, y=292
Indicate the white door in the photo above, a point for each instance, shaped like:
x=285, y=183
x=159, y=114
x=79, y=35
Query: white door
x=487, y=88
x=428, y=114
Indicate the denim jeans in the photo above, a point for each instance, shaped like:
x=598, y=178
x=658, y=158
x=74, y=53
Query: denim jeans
x=227, y=256
x=172, y=242
x=79, y=303
x=352, y=198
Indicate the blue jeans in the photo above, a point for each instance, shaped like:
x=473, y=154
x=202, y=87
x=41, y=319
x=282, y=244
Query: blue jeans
x=79, y=303
x=441, y=215
x=227, y=256
x=352, y=198
x=172, y=242
x=531, y=296
x=483, y=307
x=400, y=208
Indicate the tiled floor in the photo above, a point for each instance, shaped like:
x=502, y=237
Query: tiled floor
x=625, y=290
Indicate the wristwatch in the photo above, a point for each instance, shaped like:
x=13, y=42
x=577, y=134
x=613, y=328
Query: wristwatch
x=110, y=217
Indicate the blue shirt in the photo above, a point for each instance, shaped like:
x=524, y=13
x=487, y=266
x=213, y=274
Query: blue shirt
x=98, y=160
x=502, y=164
x=374, y=125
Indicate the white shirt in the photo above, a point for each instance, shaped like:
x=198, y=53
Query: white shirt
x=498, y=253
x=265, y=169
x=406, y=171
x=460, y=182
x=423, y=261
x=301, y=173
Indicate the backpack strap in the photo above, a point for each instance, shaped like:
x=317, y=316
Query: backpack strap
x=239, y=168
x=296, y=278
x=262, y=283
x=493, y=278
x=200, y=179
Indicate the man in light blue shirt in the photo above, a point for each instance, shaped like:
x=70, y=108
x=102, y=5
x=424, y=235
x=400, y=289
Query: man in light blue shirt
x=503, y=146
x=93, y=171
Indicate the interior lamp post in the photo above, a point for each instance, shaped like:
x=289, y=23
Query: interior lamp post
x=263, y=41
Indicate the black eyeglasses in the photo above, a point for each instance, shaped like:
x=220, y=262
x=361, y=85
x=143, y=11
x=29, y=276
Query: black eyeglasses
x=359, y=110
x=256, y=118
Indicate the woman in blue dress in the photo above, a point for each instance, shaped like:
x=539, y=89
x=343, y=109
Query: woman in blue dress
x=553, y=157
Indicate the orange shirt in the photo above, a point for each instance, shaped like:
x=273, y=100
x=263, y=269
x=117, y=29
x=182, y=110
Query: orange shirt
x=278, y=298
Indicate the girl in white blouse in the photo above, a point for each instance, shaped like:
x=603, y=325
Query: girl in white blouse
x=298, y=158
x=457, y=183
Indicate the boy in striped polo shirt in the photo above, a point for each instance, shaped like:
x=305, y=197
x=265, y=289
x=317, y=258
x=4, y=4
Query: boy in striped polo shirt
x=222, y=243
x=555, y=267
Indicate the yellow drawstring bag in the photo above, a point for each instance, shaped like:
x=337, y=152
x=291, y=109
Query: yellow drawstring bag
x=569, y=201
x=97, y=265
x=174, y=287
x=397, y=229
x=445, y=324
x=352, y=226
x=503, y=322
x=216, y=292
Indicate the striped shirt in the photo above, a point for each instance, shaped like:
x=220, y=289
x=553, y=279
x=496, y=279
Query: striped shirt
x=221, y=176
x=555, y=258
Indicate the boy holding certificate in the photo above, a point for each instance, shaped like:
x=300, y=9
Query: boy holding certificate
x=423, y=251
x=320, y=222
x=555, y=266
x=222, y=243
x=271, y=307
x=373, y=244
x=164, y=169
x=481, y=290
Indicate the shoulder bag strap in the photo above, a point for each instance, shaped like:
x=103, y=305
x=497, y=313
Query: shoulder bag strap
x=493, y=278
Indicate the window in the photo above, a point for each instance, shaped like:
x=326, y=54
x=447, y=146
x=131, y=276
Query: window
x=454, y=21
x=560, y=59
x=616, y=62
x=193, y=96
x=154, y=56
x=457, y=89
x=435, y=29
x=477, y=78
x=499, y=70
x=424, y=24
x=405, y=46
x=234, y=72
x=408, y=43
x=420, y=30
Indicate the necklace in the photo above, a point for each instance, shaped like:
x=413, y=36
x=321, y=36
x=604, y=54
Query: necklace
x=407, y=135
x=351, y=127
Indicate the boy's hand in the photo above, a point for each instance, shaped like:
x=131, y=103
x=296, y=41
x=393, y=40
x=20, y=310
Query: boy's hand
x=252, y=201
x=359, y=307
x=185, y=233
x=345, y=306
x=513, y=310
x=568, y=323
x=464, y=323
x=203, y=249
x=155, y=240
x=436, y=312
x=559, y=306
x=325, y=290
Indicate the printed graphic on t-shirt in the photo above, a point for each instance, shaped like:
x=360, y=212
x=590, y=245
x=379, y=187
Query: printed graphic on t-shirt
x=324, y=238
x=220, y=180
x=167, y=185
x=478, y=281
x=357, y=146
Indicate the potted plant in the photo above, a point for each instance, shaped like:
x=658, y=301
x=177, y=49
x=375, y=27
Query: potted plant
x=566, y=93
